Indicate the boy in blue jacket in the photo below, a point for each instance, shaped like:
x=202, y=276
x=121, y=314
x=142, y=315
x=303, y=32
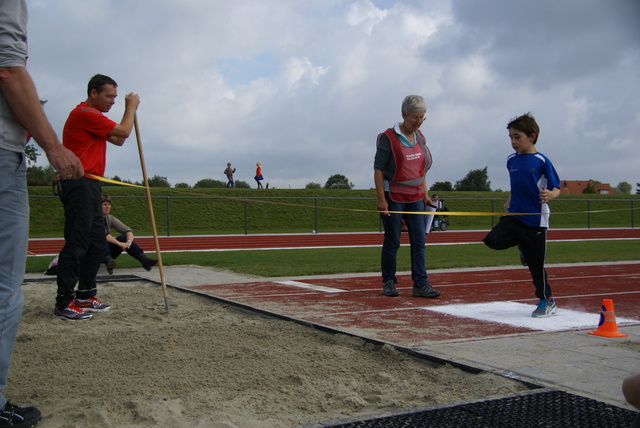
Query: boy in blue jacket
x=534, y=182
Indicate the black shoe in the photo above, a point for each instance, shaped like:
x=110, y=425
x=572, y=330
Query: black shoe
x=389, y=289
x=109, y=263
x=147, y=262
x=19, y=417
x=425, y=291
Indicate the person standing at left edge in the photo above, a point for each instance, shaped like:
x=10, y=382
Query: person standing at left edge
x=20, y=112
x=400, y=167
x=86, y=133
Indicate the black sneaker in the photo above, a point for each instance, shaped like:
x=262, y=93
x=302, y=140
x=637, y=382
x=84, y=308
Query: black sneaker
x=389, y=289
x=19, y=417
x=425, y=291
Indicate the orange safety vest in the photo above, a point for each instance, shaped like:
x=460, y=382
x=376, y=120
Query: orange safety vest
x=412, y=164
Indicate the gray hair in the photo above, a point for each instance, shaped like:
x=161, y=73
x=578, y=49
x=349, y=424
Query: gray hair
x=413, y=104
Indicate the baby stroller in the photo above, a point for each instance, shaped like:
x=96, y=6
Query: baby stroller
x=440, y=221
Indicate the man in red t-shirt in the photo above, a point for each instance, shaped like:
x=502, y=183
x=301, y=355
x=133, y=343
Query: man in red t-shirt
x=86, y=133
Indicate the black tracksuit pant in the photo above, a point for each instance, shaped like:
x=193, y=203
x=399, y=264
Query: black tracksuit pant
x=84, y=236
x=533, y=243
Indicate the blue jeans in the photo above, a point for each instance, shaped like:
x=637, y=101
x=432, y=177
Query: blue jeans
x=417, y=238
x=113, y=250
x=83, y=251
x=14, y=236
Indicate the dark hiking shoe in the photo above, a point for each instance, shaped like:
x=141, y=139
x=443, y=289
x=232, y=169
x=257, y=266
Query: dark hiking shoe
x=19, y=417
x=425, y=291
x=389, y=289
x=147, y=262
x=110, y=264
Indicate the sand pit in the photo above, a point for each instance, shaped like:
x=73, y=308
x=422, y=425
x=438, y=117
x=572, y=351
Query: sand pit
x=204, y=364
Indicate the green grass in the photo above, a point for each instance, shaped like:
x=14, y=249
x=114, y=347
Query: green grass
x=239, y=211
x=274, y=263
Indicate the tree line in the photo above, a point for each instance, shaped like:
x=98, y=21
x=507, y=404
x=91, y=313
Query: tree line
x=476, y=180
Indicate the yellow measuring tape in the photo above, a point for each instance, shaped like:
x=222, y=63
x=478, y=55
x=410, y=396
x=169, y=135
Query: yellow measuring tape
x=106, y=180
x=465, y=213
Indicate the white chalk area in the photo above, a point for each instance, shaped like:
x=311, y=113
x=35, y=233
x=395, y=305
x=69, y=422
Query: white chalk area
x=310, y=286
x=519, y=315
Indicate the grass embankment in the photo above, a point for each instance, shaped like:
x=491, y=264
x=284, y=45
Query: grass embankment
x=236, y=211
x=222, y=211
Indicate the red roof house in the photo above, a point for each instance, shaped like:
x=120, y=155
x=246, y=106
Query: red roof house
x=567, y=186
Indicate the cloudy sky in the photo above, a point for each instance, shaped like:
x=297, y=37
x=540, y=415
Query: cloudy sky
x=305, y=86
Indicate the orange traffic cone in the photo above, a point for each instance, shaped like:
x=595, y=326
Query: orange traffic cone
x=607, y=326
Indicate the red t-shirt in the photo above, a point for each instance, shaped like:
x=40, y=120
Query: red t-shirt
x=85, y=134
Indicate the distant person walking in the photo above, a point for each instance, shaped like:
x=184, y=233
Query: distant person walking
x=259, y=176
x=229, y=173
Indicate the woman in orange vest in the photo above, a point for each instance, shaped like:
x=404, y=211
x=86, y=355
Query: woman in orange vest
x=400, y=168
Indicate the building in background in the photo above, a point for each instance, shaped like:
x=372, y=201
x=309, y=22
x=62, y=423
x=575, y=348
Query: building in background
x=567, y=186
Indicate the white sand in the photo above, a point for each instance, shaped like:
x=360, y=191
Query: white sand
x=203, y=364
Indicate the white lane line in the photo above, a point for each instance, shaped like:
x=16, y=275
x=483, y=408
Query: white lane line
x=310, y=286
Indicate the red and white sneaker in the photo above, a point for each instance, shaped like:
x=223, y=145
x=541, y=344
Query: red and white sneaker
x=71, y=313
x=92, y=305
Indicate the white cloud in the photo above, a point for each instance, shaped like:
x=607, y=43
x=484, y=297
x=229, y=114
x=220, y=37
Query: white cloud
x=305, y=87
x=300, y=71
x=365, y=14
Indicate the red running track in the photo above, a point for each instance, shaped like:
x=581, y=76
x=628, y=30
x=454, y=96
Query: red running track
x=355, y=304
x=323, y=240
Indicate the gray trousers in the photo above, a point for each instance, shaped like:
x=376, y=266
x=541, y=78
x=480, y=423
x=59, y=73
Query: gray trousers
x=14, y=236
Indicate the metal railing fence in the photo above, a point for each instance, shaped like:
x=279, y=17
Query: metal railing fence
x=205, y=215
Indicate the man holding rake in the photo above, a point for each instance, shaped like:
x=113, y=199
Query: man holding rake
x=86, y=134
